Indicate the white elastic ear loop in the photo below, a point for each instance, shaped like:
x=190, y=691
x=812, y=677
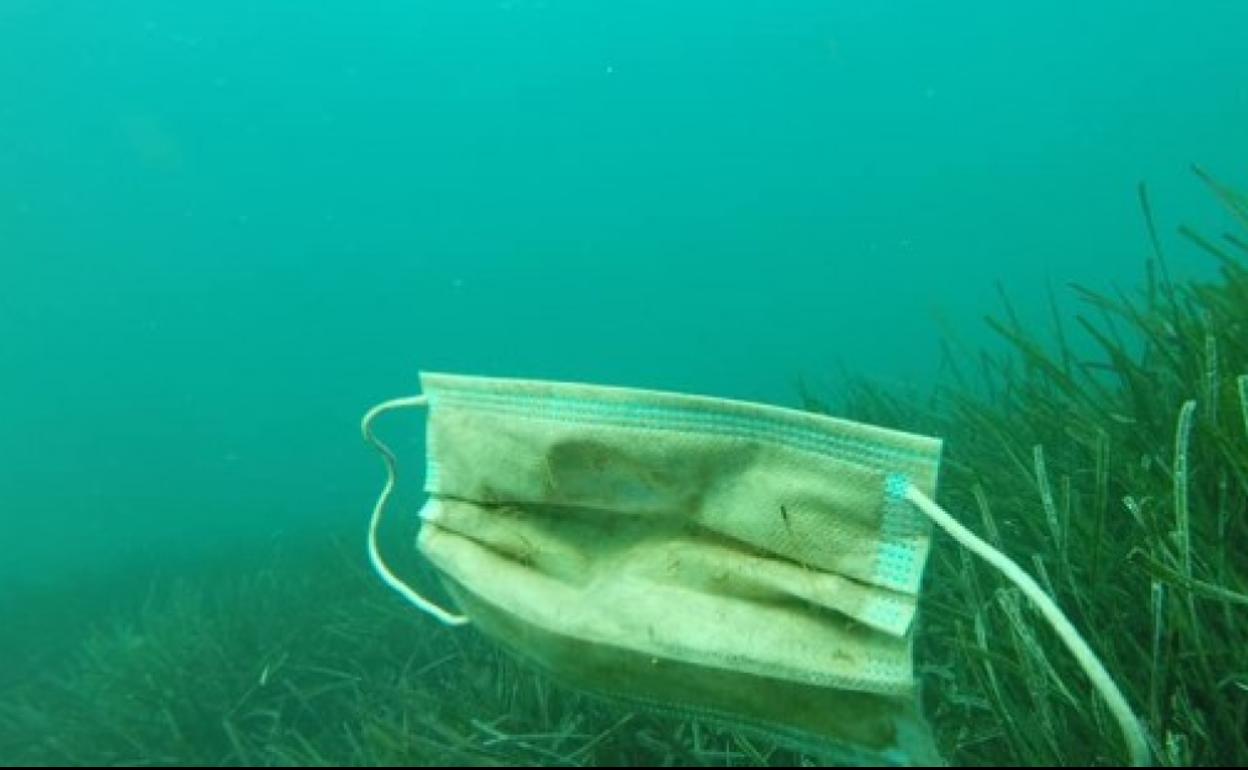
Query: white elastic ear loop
x=1131, y=729
x=421, y=603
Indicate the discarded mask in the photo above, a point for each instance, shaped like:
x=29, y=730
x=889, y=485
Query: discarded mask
x=756, y=565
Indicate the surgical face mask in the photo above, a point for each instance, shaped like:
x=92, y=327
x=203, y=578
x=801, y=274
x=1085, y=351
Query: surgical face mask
x=755, y=565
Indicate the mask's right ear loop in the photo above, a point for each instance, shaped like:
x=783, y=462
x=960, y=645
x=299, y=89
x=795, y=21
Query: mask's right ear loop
x=392, y=580
x=1131, y=729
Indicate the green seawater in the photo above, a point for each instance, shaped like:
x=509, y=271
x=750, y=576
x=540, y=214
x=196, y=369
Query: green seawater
x=228, y=228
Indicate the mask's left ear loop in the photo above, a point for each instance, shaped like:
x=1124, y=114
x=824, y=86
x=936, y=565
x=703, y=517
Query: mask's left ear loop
x=374, y=555
x=1131, y=729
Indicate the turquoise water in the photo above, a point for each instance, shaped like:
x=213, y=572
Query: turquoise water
x=228, y=228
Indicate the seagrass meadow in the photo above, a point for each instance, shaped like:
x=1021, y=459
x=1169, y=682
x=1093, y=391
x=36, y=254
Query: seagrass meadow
x=1120, y=480
x=1109, y=458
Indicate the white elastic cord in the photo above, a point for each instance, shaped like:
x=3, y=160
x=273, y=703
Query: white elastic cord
x=421, y=603
x=1131, y=729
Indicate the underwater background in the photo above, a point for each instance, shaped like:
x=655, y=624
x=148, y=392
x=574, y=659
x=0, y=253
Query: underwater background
x=228, y=228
